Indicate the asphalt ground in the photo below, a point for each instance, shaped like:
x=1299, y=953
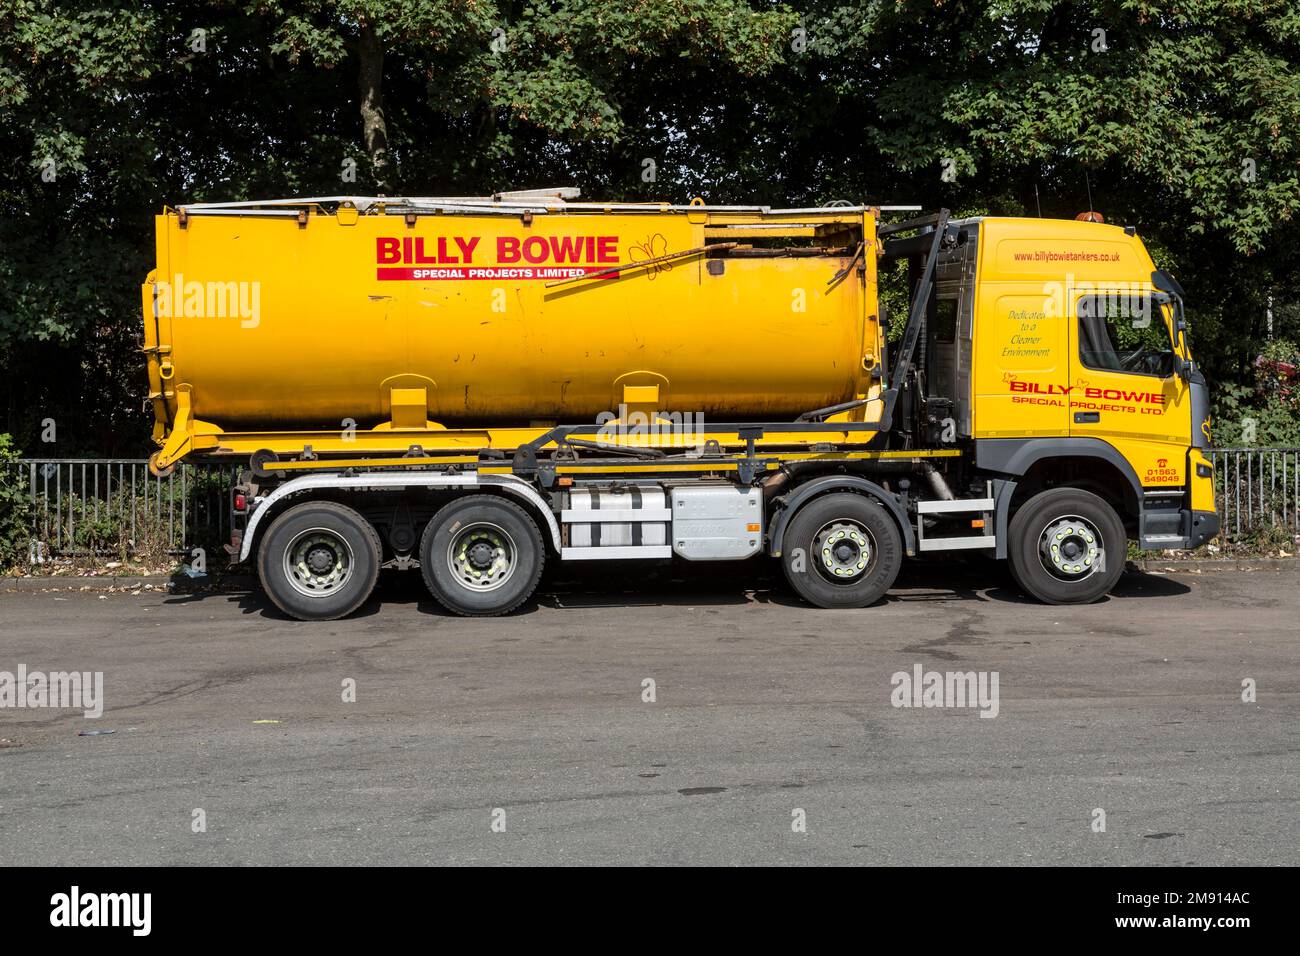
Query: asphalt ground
x=667, y=716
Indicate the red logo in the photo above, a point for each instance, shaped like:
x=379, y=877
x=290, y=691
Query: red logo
x=459, y=257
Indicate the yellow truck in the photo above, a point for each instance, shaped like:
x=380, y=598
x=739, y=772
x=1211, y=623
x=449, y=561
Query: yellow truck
x=473, y=385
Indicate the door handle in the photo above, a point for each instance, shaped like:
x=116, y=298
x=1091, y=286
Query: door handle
x=1087, y=418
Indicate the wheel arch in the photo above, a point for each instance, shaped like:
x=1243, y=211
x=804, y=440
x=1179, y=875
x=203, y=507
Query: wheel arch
x=789, y=504
x=298, y=490
x=1087, y=463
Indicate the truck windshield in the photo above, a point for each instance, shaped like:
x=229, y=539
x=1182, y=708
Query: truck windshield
x=1124, y=332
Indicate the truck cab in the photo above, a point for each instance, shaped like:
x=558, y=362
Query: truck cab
x=1057, y=354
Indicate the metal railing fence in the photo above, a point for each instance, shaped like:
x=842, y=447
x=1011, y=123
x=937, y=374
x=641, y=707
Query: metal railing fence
x=85, y=506
x=1257, y=489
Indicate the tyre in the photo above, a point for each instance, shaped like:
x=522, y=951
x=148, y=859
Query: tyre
x=841, y=550
x=481, y=555
x=319, y=561
x=1066, y=546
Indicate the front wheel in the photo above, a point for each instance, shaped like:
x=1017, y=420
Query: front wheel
x=841, y=550
x=481, y=555
x=1067, y=546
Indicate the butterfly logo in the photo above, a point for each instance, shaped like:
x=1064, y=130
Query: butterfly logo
x=654, y=247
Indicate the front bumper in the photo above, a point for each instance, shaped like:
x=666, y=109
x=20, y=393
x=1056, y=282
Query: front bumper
x=1203, y=526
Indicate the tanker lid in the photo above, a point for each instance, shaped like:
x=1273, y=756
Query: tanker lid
x=509, y=203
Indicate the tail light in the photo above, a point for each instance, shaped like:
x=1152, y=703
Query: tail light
x=241, y=502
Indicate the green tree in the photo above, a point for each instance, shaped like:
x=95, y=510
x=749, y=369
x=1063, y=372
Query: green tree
x=1180, y=119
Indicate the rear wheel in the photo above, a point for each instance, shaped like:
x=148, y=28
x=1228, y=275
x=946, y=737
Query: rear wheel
x=319, y=561
x=1067, y=546
x=841, y=550
x=481, y=555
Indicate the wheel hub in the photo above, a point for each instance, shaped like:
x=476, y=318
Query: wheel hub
x=318, y=562
x=320, y=559
x=1071, y=548
x=481, y=557
x=843, y=550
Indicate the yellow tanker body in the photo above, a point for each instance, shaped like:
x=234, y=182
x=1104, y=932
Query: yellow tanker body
x=416, y=316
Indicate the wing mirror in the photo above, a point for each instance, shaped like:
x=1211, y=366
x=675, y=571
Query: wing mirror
x=1165, y=282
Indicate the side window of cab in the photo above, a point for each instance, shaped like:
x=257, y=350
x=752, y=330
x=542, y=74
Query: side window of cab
x=1125, y=332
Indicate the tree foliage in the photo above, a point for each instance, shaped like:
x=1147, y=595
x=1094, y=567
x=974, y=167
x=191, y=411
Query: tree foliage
x=1180, y=118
